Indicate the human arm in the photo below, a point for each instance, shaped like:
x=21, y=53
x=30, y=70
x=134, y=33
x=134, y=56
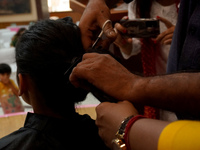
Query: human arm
x=146, y=134
x=93, y=18
x=176, y=92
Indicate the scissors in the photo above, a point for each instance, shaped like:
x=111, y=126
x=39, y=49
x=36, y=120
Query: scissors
x=101, y=33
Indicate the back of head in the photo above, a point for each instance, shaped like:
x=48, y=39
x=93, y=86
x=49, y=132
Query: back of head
x=45, y=52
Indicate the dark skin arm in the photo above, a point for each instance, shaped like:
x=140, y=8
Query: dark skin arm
x=176, y=92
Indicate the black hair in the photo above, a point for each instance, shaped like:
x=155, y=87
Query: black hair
x=143, y=8
x=5, y=68
x=45, y=52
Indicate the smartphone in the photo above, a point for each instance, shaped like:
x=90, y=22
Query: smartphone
x=141, y=28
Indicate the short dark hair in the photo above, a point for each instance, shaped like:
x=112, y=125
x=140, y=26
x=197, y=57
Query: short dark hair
x=5, y=68
x=45, y=52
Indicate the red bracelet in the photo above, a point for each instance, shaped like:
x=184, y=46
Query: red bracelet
x=128, y=126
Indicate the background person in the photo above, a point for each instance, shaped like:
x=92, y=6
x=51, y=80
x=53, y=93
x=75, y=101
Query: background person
x=16, y=37
x=9, y=98
x=154, y=52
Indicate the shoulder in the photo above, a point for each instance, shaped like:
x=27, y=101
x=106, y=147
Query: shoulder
x=14, y=139
x=87, y=128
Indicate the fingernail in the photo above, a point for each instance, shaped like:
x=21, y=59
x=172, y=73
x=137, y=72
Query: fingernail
x=112, y=33
x=158, y=17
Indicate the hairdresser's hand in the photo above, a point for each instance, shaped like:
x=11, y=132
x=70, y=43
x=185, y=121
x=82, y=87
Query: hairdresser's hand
x=104, y=72
x=109, y=121
x=92, y=20
x=125, y=44
x=166, y=36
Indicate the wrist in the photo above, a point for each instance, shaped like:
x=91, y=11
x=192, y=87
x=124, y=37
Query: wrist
x=128, y=127
x=121, y=142
x=136, y=89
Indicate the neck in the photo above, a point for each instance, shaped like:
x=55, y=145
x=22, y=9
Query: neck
x=64, y=111
x=166, y=2
x=45, y=111
x=39, y=105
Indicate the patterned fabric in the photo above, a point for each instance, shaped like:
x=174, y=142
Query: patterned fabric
x=9, y=101
x=148, y=52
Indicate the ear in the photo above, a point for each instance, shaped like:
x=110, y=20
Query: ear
x=22, y=84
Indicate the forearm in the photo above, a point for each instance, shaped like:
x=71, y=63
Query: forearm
x=176, y=92
x=144, y=134
x=149, y=134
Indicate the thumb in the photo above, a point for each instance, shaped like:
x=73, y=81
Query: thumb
x=109, y=31
x=167, y=23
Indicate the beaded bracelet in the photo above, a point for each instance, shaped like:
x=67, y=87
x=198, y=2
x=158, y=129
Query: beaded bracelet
x=128, y=126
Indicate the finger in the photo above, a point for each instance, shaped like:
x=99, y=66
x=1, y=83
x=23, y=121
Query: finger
x=163, y=34
x=109, y=31
x=169, y=41
x=75, y=79
x=89, y=55
x=86, y=39
x=129, y=40
x=169, y=36
x=125, y=18
x=80, y=72
x=167, y=23
x=101, y=106
x=160, y=36
x=120, y=28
